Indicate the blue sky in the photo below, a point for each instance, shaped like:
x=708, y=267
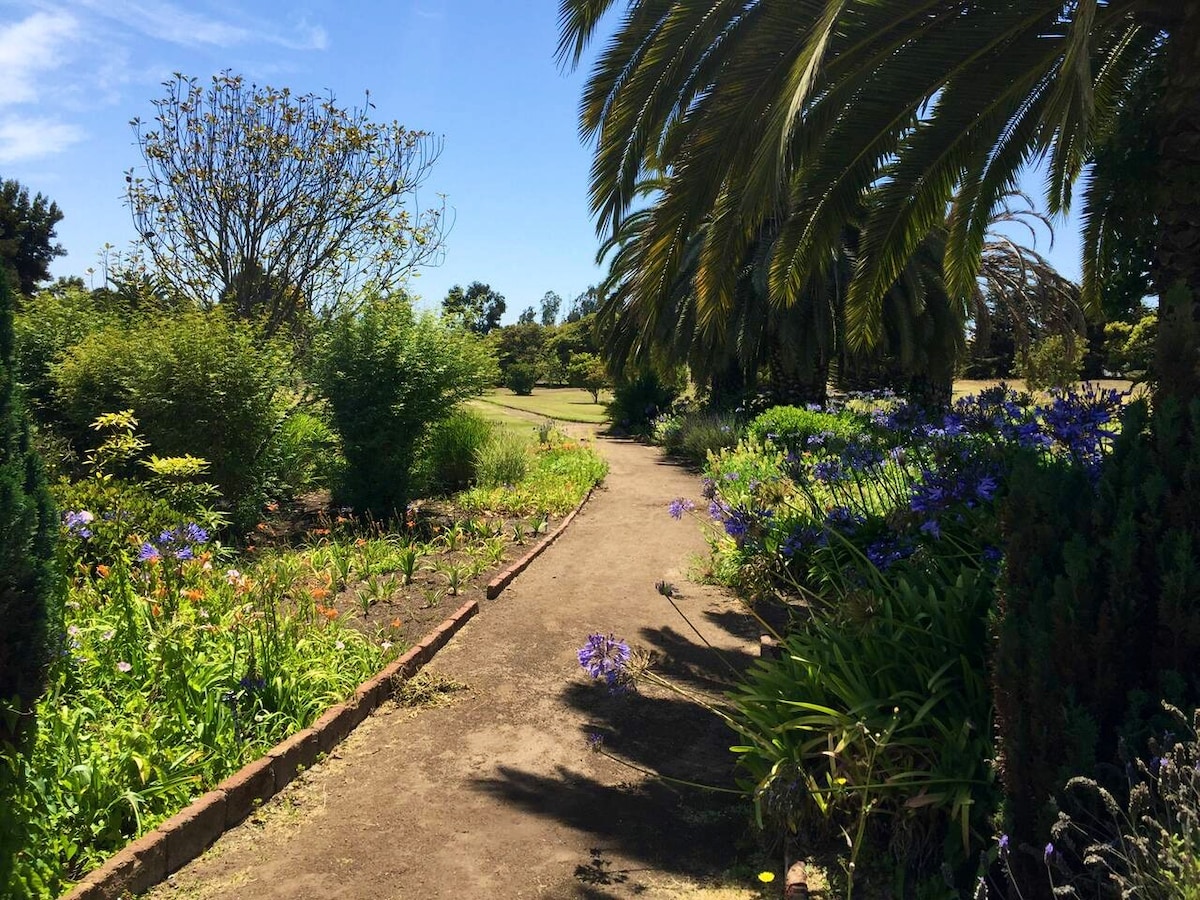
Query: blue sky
x=479, y=73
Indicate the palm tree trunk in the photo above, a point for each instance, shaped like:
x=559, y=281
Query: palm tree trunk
x=1177, y=208
x=789, y=386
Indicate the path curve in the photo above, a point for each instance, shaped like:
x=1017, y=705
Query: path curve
x=495, y=794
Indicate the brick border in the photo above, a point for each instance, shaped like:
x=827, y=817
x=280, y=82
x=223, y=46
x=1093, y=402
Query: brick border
x=177, y=841
x=504, y=579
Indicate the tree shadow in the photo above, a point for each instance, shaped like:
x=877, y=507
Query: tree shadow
x=660, y=822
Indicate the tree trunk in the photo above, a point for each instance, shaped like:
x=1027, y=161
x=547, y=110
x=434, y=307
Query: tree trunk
x=1176, y=271
x=791, y=387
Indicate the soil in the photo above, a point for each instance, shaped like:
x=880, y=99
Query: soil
x=481, y=783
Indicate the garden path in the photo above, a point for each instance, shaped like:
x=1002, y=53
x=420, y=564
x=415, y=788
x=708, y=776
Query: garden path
x=493, y=792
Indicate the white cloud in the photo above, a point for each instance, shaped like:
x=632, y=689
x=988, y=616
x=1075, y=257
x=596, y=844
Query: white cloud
x=25, y=138
x=166, y=21
x=29, y=47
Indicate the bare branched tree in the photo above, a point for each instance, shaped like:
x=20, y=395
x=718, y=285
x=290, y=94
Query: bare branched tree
x=278, y=204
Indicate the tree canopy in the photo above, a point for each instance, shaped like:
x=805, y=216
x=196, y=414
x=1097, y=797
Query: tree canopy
x=803, y=108
x=478, y=308
x=27, y=232
x=278, y=203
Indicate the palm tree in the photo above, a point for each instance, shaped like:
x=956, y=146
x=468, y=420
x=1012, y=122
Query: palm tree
x=753, y=106
x=797, y=344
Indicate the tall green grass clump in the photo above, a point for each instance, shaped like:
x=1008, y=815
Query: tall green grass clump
x=502, y=460
x=790, y=427
x=389, y=374
x=449, y=459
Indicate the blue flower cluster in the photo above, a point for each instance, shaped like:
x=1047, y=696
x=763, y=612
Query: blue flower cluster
x=77, y=522
x=177, y=543
x=605, y=658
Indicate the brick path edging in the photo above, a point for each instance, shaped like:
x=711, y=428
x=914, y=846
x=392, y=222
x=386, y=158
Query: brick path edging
x=504, y=579
x=181, y=838
x=177, y=841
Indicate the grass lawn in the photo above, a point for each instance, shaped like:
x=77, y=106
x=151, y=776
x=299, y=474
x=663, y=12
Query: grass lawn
x=965, y=386
x=502, y=417
x=567, y=404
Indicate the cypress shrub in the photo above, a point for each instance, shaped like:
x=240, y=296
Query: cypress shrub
x=28, y=531
x=1098, y=619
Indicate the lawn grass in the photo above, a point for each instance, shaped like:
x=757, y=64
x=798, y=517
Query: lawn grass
x=565, y=404
x=501, y=417
x=966, y=386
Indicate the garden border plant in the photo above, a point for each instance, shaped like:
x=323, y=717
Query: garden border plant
x=184, y=836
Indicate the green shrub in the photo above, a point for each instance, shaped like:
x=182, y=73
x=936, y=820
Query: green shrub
x=1050, y=363
x=198, y=383
x=790, y=427
x=28, y=532
x=302, y=455
x=521, y=378
x=880, y=714
x=48, y=325
x=29, y=594
x=699, y=433
x=449, y=457
x=389, y=374
x=502, y=460
x=639, y=400
x=1099, y=616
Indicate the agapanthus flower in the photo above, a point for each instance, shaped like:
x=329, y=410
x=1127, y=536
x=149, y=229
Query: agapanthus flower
x=604, y=657
x=148, y=553
x=195, y=534
x=679, y=506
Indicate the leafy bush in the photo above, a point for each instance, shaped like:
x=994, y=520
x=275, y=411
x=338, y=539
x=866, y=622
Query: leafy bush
x=790, y=427
x=389, y=375
x=29, y=591
x=639, y=400
x=197, y=383
x=1050, y=363
x=48, y=325
x=1129, y=349
x=504, y=459
x=302, y=455
x=559, y=475
x=449, y=458
x=880, y=715
x=521, y=378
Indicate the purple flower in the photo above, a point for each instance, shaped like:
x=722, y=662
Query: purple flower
x=932, y=528
x=708, y=488
x=196, y=534
x=124, y=667
x=1003, y=843
x=1048, y=852
x=679, y=506
x=604, y=657
x=148, y=553
x=595, y=741
x=184, y=553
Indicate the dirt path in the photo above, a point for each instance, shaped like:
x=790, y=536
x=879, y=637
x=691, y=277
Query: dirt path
x=494, y=793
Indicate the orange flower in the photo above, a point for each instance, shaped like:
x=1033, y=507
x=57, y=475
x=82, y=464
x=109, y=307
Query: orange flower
x=261, y=526
x=327, y=611
x=319, y=593
x=319, y=531
x=272, y=506
x=156, y=610
x=102, y=570
x=395, y=623
x=194, y=594
x=361, y=542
